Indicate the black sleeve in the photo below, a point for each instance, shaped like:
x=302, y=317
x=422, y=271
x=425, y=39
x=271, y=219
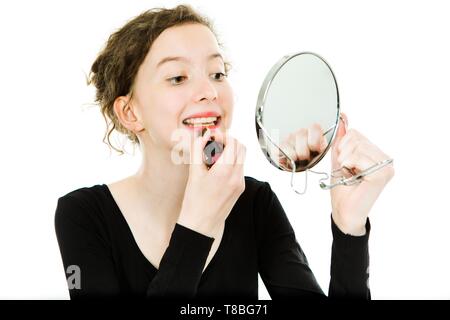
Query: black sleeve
x=284, y=267
x=182, y=264
x=349, y=264
x=82, y=244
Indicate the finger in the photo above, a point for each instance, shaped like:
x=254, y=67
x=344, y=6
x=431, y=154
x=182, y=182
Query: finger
x=323, y=144
x=354, y=135
x=353, y=142
x=228, y=156
x=219, y=136
x=345, y=153
x=357, y=162
x=315, y=138
x=370, y=151
x=274, y=151
x=374, y=152
x=359, y=149
x=341, y=132
x=290, y=146
x=343, y=143
x=363, y=160
x=301, y=145
x=240, y=157
x=286, y=148
x=345, y=120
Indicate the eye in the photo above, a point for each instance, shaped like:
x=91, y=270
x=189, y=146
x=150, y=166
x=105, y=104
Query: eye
x=176, y=80
x=220, y=75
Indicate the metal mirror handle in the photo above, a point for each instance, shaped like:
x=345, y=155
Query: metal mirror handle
x=354, y=179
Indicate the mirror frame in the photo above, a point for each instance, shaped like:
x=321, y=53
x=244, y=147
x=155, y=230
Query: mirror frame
x=261, y=130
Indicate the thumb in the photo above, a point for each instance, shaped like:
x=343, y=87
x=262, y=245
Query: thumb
x=341, y=131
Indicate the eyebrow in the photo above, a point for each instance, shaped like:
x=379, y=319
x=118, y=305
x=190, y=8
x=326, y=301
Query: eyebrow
x=167, y=59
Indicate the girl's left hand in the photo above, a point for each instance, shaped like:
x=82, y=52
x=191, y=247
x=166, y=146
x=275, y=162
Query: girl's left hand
x=351, y=204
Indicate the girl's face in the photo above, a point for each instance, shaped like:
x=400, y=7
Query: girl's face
x=182, y=76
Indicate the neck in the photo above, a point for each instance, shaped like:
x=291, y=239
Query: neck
x=162, y=182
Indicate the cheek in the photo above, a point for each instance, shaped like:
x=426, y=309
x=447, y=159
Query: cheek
x=162, y=116
x=227, y=103
x=167, y=120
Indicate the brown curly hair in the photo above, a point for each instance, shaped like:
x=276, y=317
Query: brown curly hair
x=115, y=68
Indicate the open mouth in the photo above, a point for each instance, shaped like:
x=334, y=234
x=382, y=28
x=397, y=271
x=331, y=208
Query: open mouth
x=207, y=122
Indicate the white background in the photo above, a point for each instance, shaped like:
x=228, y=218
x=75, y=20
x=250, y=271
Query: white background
x=391, y=60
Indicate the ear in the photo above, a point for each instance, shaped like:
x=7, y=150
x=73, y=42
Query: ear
x=127, y=114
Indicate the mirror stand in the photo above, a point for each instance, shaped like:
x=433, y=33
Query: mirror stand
x=306, y=179
x=353, y=179
x=293, y=165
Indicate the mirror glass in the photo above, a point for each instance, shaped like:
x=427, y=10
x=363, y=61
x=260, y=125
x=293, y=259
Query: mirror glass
x=297, y=112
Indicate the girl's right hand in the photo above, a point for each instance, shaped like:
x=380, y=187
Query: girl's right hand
x=211, y=194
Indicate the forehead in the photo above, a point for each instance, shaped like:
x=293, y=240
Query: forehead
x=188, y=40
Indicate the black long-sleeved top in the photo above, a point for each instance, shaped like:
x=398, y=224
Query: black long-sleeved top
x=258, y=238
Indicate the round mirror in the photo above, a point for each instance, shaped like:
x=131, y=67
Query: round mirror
x=297, y=112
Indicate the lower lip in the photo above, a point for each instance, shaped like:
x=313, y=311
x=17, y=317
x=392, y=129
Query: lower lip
x=212, y=126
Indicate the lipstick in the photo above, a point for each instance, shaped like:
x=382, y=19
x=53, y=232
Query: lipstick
x=212, y=151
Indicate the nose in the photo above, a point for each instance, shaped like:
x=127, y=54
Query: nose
x=206, y=90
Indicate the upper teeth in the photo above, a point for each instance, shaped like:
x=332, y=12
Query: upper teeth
x=200, y=120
